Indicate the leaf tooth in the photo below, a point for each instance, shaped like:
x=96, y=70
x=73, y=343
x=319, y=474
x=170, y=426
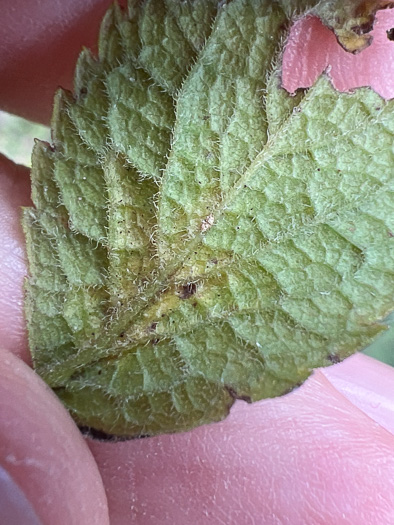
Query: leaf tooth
x=88, y=114
x=78, y=174
x=87, y=69
x=45, y=193
x=41, y=252
x=140, y=119
x=84, y=194
x=131, y=218
x=111, y=41
x=165, y=53
x=278, y=104
x=66, y=139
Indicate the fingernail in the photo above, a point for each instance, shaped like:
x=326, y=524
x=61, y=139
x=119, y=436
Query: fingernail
x=15, y=508
x=368, y=384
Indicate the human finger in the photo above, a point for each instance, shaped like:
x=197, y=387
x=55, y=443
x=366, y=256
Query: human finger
x=46, y=470
x=312, y=457
x=14, y=192
x=39, y=44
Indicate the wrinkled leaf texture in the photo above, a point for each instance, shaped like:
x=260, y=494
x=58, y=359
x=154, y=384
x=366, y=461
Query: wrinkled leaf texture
x=198, y=234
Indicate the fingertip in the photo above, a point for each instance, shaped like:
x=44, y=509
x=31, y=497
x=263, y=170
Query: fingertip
x=44, y=453
x=14, y=193
x=40, y=42
x=308, y=457
x=368, y=384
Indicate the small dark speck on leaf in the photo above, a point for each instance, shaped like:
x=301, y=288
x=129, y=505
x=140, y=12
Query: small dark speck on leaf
x=333, y=358
x=96, y=434
x=187, y=290
x=153, y=326
x=99, y=435
x=364, y=28
x=234, y=394
x=390, y=34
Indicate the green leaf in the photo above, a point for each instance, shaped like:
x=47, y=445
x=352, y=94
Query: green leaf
x=199, y=235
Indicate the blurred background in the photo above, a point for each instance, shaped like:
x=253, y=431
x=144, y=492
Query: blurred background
x=16, y=142
x=17, y=137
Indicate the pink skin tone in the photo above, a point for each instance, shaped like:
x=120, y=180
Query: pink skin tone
x=320, y=455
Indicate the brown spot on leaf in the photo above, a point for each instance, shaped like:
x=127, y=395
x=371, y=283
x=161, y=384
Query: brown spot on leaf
x=334, y=358
x=99, y=435
x=356, y=38
x=364, y=28
x=234, y=394
x=187, y=290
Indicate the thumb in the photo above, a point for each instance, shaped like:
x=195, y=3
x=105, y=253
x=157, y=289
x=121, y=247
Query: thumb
x=46, y=470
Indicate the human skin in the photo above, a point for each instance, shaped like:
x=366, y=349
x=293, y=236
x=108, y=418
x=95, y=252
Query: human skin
x=323, y=454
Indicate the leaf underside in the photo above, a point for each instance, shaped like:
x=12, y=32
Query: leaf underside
x=199, y=235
